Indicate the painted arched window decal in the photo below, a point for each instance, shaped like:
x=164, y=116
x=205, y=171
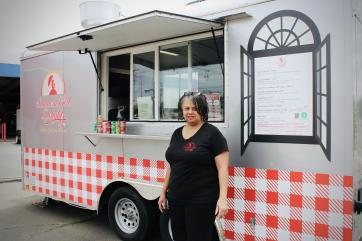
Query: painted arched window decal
x=284, y=30
x=282, y=74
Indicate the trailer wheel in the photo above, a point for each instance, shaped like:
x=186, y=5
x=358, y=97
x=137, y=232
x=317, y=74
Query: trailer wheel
x=166, y=230
x=129, y=215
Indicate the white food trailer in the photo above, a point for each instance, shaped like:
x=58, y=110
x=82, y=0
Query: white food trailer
x=283, y=82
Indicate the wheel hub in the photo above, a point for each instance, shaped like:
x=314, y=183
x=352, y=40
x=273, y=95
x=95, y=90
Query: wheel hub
x=127, y=215
x=130, y=214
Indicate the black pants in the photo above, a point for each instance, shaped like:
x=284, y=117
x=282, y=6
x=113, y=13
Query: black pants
x=192, y=222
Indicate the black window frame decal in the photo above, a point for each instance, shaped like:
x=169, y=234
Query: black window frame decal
x=249, y=97
x=321, y=69
x=286, y=41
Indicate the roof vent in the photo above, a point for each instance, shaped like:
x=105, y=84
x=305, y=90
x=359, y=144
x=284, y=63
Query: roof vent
x=97, y=12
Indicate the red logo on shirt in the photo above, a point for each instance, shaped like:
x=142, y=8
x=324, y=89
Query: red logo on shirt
x=190, y=146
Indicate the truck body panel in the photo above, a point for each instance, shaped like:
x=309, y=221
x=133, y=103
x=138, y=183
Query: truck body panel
x=281, y=187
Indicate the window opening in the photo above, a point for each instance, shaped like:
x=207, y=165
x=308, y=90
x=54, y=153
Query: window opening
x=146, y=83
x=192, y=66
x=143, y=86
x=174, y=78
x=208, y=75
x=118, y=87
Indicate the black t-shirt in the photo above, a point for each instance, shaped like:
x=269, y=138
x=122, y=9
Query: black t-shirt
x=194, y=176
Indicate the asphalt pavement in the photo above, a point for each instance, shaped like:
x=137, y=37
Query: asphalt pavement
x=23, y=218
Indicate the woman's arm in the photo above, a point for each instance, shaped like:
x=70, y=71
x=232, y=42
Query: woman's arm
x=162, y=200
x=222, y=164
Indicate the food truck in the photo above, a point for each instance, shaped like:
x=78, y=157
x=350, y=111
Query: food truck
x=283, y=83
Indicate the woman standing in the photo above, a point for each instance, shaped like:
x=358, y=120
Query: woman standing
x=196, y=182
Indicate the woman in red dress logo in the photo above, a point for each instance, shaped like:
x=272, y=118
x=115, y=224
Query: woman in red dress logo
x=52, y=83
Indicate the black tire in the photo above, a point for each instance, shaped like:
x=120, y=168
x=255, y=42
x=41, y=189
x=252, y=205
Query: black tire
x=166, y=230
x=129, y=215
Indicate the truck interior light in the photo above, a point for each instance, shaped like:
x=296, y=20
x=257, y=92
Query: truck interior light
x=168, y=53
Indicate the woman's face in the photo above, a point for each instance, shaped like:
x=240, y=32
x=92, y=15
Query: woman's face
x=190, y=113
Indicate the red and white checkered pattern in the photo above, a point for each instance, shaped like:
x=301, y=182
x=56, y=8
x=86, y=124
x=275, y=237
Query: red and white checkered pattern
x=80, y=178
x=282, y=205
x=288, y=205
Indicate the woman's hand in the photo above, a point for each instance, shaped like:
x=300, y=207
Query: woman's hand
x=162, y=202
x=162, y=199
x=222, y=163
x=221, y=208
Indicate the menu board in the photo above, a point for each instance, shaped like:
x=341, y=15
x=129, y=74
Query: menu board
x=213, y=102
x=284, y=95
x=145, y=107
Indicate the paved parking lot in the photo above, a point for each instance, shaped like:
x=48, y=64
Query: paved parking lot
x=21, y=219
x=10, y=160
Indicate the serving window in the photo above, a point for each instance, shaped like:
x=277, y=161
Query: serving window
x=144, y=83
x=117, y=102
x=191, y=66
x=143, y=86
x=174, y=77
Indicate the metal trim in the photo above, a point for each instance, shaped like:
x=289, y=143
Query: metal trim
x=124, y=21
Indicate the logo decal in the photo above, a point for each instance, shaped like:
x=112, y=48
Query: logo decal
x=281, y=61
x=190, y=146
x=52, y=103
x=53, y=84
